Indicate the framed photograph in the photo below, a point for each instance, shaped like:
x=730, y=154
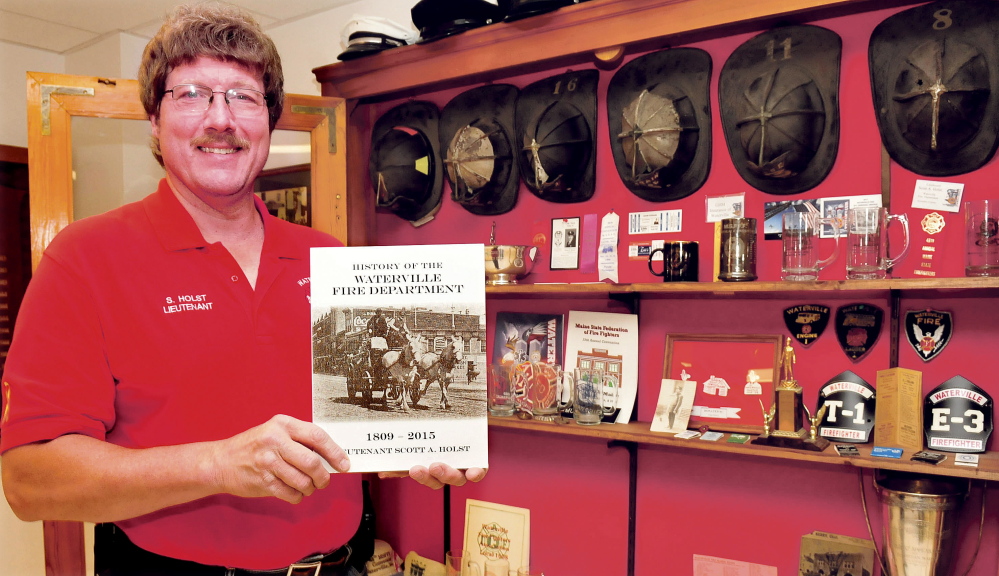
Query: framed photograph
x=733, y=375
x=496, y=532
x=286, y=193
x=565, y=244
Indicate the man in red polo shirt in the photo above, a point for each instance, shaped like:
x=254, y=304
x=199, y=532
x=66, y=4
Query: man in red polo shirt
x=159, y=376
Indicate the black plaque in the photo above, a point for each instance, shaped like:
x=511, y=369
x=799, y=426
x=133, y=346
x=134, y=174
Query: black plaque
x=857, y=328
x=928, y=331
x=957, y=417
x=850, y=402
x=806, y=322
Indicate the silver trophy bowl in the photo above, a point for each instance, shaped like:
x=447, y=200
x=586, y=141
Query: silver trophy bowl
x=505, y=263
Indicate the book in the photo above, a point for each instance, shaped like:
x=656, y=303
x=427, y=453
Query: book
x=391, y=328
x=609, y=342
x=525, y=336
x=826, y=553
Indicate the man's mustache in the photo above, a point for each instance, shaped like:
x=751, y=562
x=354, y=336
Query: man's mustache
x=220, y=140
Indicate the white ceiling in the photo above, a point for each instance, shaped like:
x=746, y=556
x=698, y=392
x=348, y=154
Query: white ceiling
x=63, y=25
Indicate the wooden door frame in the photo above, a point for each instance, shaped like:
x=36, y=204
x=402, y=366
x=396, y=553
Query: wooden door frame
x=53, y=101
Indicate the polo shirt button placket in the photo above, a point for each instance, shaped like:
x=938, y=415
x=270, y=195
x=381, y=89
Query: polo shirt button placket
x=234, y=278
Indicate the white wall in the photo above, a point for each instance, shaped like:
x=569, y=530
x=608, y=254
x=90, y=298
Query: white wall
x=15, y=61
x=315, y=41
x=111, y=158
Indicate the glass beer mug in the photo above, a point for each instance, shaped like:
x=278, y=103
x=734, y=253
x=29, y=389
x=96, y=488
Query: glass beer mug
x=800, y=233
x=594, y=395
x=867, y=242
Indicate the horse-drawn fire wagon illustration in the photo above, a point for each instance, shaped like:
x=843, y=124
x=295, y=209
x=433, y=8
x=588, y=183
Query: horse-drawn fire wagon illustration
x=385, y=363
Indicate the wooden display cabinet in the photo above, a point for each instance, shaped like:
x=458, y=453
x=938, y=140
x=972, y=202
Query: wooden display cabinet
x=738, y=501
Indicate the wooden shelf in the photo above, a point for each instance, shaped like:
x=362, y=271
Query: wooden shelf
x=846, y=289
x=595, y=31
x=639, y=433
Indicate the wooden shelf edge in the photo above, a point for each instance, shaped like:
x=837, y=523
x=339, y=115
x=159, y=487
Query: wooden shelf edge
x=832, y=288
x=639, y=433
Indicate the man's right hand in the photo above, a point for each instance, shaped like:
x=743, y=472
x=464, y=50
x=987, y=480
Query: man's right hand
x=76, y=477
x=282, y=457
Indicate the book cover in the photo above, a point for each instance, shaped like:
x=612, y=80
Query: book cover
x=393, y=328
x=525, y=336
x=823, y=553
x=609, y=342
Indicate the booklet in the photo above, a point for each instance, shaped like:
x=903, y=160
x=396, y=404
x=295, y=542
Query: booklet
x=607, y=342
x=392, y=329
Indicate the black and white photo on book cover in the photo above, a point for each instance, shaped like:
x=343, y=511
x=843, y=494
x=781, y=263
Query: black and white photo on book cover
x=398, y=354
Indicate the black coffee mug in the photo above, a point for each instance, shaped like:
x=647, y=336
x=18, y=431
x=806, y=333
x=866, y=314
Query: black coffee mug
x=679, y=261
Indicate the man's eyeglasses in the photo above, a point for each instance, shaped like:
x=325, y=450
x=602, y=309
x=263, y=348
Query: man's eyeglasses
x=198, y=98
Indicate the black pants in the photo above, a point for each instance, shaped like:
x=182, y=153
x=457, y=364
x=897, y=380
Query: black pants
x=116, y=555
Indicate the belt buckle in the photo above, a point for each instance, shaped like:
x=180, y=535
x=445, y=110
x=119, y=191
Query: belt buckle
x=305, y=565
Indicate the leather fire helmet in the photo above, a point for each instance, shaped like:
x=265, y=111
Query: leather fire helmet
x=477, y=134
x=404, y=164
x=556, y=136
x=935, y=80
x=778, y=94
x=659, y=123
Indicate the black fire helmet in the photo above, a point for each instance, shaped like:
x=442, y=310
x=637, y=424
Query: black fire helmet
x=659, y=123
x=477, y=135
x=556, y=136
x=935, y=79
x=404, y=164
x=778, y=95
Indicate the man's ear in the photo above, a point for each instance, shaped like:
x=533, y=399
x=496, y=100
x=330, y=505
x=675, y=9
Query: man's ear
x=154, y=126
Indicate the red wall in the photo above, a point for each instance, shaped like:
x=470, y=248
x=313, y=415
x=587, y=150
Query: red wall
x=692, y=502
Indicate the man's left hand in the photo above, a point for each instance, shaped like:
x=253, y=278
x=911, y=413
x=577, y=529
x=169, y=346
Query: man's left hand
x=439, y=474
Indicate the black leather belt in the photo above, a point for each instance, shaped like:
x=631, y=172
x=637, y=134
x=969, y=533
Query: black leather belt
x=117, y=555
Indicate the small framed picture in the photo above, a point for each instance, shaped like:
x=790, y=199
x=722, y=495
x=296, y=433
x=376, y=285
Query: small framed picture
x=733, y=374
x=565, y=244
x=286, y=193
x=497, y=532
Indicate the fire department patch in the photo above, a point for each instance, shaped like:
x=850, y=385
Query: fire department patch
x=857, y=328
x=806, y=322
x=928, y=331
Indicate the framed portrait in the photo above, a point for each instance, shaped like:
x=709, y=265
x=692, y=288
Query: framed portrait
x=286, y=193
x=733, y=375
x=565, y=244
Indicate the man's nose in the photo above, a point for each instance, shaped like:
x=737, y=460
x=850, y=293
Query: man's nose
x=219, y=115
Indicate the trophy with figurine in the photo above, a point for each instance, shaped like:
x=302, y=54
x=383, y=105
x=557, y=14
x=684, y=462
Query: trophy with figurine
x=784, y=425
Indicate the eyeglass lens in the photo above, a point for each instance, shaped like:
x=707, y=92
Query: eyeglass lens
x=199, y=98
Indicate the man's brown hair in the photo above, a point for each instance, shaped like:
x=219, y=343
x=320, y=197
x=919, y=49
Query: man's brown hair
x=213, y=30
